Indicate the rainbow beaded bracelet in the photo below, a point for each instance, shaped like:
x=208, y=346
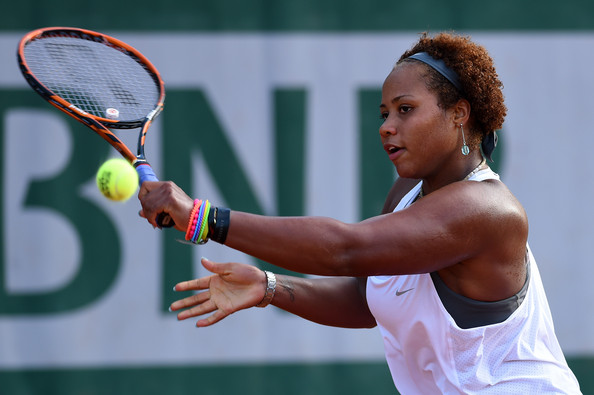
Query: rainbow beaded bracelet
x=207, y=222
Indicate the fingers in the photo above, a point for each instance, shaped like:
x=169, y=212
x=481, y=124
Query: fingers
x=144, y=190
x=207, y=307
x=195, y=305
x=146, y=187
x=202, y=304
x=231, y=287
x=193, y=285
x=211, y=319
x=165, y=197
x=193, y=300
x=215, y=267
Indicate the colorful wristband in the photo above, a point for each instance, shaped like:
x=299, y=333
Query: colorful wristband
x=192, y=220
x=202, y=236
x=200, y=216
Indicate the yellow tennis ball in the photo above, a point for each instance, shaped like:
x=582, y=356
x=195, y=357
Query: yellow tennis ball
x=117, y=179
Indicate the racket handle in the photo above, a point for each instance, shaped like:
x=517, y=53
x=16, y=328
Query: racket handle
x=146, y=173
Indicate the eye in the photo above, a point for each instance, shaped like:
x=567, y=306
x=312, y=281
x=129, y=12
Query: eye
x=403, y=109
x=383, y=116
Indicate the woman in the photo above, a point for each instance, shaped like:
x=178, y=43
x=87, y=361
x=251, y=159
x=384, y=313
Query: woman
x=445, y=271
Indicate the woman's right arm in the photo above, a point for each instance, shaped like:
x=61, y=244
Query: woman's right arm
x=332, y=301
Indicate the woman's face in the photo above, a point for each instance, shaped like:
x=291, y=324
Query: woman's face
x=417, y=134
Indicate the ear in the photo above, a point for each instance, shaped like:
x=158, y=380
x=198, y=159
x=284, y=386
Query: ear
x=461, y=111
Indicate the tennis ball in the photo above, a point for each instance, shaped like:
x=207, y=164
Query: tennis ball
x=117, y=179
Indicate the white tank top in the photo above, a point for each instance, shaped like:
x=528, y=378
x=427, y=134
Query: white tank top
x=427, y=353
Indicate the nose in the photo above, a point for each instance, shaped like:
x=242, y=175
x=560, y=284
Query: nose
x=388, y=128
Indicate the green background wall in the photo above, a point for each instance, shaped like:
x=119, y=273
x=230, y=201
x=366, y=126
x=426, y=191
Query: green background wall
x=237, y=16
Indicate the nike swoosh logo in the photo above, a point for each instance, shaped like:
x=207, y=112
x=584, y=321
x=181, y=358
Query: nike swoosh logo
x=398, y=293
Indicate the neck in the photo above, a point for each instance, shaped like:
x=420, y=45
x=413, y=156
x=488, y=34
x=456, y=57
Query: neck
x=478, y=168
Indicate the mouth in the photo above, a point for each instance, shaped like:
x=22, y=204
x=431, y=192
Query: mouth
x=392, y=150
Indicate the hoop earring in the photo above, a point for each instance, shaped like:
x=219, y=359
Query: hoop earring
x=465, y=149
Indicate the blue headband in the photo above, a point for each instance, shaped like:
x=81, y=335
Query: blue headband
x=439, y=66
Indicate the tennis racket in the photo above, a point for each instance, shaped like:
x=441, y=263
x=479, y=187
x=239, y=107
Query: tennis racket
x=98, y=80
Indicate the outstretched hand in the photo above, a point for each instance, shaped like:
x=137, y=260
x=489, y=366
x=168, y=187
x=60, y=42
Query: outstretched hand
x=232, y=287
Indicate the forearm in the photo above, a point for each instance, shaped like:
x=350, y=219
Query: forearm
x=336, y=301
x=311, y=245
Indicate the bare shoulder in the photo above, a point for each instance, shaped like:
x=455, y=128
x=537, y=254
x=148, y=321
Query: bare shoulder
x=493, y=199
x=484, y=218
x=484, y=203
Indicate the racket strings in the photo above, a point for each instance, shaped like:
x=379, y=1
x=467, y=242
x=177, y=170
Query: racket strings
x=93, y=76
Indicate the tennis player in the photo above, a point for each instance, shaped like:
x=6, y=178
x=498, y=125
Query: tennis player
x=445, y=272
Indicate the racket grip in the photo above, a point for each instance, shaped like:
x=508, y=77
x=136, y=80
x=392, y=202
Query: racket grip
x=146, y=173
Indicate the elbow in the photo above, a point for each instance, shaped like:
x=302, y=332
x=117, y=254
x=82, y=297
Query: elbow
x=342, y=261
x=342, y=249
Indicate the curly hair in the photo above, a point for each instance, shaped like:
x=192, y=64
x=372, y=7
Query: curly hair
x=480, y=83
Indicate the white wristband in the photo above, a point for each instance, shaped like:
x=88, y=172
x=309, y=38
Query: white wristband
x=270, y=289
